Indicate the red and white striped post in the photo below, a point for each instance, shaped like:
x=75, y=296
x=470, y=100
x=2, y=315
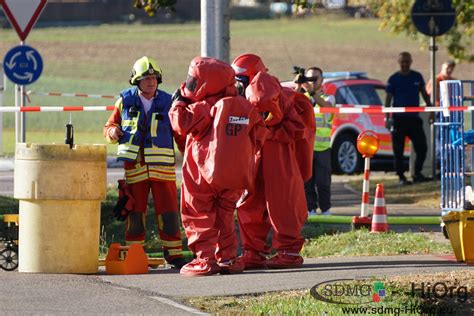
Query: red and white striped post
x=364, y=206
x=367, y=145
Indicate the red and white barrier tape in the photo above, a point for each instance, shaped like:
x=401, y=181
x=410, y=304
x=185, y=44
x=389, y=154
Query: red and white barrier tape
x=338, y=110
x=374, y=109
x=77, y=94
x=56, y=108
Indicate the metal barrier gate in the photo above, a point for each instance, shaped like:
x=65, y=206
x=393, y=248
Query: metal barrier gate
x=454, y=93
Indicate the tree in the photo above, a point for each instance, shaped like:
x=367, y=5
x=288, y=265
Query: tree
x=395, y=15
x=151, y=6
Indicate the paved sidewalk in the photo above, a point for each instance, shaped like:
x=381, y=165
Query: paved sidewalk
x=314, y=270
x=163, y=290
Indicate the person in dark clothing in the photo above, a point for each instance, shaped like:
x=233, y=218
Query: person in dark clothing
x=404, y=88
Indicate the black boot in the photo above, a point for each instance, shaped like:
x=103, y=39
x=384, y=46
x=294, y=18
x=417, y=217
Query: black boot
x=177, y=262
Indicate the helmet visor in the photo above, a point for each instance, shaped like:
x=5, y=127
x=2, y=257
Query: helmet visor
x=244, y=80
x=191, y=83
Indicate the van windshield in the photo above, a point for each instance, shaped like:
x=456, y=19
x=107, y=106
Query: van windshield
x=359, y=94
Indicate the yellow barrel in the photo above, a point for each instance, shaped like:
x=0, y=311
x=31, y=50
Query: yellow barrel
x=467, y=235
x=60, y=191
x=451, y=220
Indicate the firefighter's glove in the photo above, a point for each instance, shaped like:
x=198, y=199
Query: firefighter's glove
x=120, y=212
x=125, y=202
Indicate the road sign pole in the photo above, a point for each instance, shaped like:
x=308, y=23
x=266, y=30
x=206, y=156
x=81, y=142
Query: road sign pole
x=433, y=18
x=433, y=128
x=2, y=89
x=20, y=135
x=17, y=115
x=23, y=114
x=23, y=66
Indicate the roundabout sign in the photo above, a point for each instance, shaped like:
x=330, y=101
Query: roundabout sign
x=23, y=65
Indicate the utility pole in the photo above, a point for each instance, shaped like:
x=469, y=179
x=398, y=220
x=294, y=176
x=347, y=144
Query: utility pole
x=222, y=30
x=434, y=97
x=208, y=28
x=215, y=38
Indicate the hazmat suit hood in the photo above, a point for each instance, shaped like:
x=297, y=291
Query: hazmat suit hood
x=208, y=77
x=264, y=93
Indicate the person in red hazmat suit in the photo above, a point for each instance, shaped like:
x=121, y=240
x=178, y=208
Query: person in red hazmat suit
x=223, y=133
x=278, y=200
x=141, y=127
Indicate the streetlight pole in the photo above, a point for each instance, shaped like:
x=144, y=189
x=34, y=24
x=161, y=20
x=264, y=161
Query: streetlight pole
x=433, y=128
x=215, y=29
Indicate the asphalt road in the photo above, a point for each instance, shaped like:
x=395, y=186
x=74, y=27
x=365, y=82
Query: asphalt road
x=53, y=294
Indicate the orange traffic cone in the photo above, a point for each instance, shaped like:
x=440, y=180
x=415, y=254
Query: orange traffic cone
x=379, y=217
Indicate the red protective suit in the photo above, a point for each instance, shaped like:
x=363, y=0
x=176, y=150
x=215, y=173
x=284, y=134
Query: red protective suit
x=218, y=160
x=278, y=200
x=303, y=147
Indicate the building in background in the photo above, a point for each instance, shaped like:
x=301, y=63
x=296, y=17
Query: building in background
x=85, y=12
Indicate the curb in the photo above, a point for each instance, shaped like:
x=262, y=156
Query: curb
x=6, y=165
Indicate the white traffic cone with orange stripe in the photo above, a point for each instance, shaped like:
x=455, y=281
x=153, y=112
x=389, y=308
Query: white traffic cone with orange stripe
x=379, y=217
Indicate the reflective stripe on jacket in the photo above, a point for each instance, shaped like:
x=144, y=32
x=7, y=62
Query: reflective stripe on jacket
x=152, y=131
x=143, y=172
x=322, y=140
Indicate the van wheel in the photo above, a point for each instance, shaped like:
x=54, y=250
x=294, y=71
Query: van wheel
x=345, y=157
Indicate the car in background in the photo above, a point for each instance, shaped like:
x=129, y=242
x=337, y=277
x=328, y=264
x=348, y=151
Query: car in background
x=355, y=89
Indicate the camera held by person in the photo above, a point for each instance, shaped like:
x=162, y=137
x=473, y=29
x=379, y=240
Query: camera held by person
x=300, y=75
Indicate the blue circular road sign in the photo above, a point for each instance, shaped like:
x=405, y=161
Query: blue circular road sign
x=23, y=65
x=433, y=17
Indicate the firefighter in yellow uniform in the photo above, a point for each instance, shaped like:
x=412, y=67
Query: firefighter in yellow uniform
x=318, y=188
x=141, y=127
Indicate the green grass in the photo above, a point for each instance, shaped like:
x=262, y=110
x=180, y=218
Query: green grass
x=8, y=205
x=364, y=243
x=300, y=302
x=279, y=303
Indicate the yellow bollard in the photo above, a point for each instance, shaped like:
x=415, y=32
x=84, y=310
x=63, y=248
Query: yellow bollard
x=60, y=190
